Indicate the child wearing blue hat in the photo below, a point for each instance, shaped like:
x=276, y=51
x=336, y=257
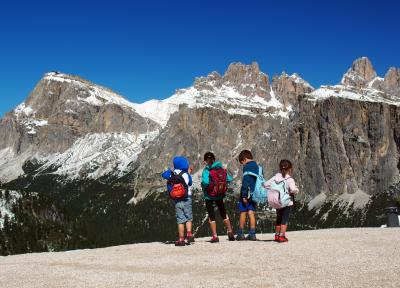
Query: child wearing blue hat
x=179, y=182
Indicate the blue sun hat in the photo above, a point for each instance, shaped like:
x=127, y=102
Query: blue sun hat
x=181, y=163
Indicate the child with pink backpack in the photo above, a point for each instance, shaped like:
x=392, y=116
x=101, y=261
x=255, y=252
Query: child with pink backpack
x=282, y=188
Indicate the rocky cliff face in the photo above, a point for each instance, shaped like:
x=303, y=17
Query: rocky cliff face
x=343, y=139
x=61, y=110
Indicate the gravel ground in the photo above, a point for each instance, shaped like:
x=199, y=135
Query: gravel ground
x=361, y=257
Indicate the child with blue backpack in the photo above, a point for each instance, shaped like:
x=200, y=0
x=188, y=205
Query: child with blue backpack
x=281, y=189
x=179, y=182
x=247, y=206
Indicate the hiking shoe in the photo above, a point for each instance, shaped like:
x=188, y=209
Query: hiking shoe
x=231, y=236
x=276, y=238
x=240, y=237
x=190, y=239
x=251, y=237
x=214, y=239
x=282, y=239
x=180, y=243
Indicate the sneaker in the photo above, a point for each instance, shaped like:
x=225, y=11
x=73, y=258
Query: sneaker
x=180, y=243
x=282, y=239
x=251, y=237
x=240, y=237
x=214, y=239
x=276, y=238
x=231, y=236
x=190, y=239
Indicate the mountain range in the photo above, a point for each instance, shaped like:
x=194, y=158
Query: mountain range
x=73, y=142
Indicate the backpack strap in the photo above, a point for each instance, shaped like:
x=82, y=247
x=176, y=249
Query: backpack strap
x=250, y=173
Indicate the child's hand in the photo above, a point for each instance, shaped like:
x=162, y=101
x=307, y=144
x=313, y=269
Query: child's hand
x=190, y=170
x=245, y=202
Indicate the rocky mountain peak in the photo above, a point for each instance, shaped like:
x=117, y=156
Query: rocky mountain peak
x=288, y=87
x=248, y=79
x=392, y=80
x=360, y=73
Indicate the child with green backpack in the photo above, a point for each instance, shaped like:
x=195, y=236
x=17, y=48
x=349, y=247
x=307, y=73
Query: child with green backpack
x=281, y=189
x=214, y=183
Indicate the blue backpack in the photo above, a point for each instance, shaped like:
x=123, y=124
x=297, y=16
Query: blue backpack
x=260, y=194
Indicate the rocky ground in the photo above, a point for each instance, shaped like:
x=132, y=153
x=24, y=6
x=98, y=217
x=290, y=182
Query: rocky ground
x=362, y=257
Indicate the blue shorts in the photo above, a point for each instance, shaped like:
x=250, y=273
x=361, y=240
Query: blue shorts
x=183, y=211
x=251, y=206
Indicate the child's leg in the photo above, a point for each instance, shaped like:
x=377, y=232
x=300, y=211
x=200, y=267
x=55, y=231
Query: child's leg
x=285, y=219
x=283, y=229
x=211, y=217
x=252, y=220
x=188, y=218
x=278, y=221
x=242, y=222
x=252, y=217
x=213, y=227
x=224, y=216
x=181, y=231
x=189, y=228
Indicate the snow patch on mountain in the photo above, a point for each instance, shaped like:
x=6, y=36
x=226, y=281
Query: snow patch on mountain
x=26, y=116
x=222, y=98
x=363, y=94
x=11, y=163
x=98, y=154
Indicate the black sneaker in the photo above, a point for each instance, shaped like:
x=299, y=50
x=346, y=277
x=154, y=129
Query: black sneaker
x=231, y=236
x=190, y=239
x=251, y=237
x=180, y=243
x=240, y=237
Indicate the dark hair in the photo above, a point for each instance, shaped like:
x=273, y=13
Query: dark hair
x=285, y=166
x=245, y=154
x=209, y=156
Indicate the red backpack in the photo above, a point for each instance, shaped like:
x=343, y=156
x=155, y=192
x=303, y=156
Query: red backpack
x=218, y=183
x=179, y=187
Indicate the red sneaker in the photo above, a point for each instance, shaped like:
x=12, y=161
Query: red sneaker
x=276, y=238
x=214, y=239
x=282, y=239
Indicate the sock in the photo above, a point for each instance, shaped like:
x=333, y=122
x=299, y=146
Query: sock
x=214, y=236
x=181, y=239
x=240, y=232
x=252, y=232
x=189, y=234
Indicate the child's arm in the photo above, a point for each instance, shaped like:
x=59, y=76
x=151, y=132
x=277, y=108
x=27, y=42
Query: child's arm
x=244, y=190
x=166, y=174
x=229, y=177
x=293, y=189
x=267, y=184
x=205, y=178
x=190, y=180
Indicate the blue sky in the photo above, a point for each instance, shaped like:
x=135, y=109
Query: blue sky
x=147, y=49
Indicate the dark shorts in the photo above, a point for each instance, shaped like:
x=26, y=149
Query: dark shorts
x=210, y=209
x=282, y=215
x=251, y=206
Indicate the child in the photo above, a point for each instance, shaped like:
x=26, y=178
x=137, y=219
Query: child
x=282, y=214
x=214, y=183
x=246, y=206
x=183, y=206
